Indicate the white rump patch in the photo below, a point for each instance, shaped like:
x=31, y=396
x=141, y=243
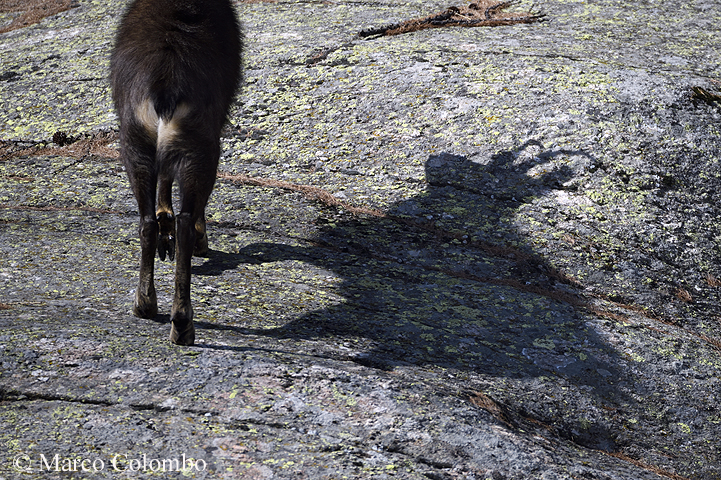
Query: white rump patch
x=160, y=130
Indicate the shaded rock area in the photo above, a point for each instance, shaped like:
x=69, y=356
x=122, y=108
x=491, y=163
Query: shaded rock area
x=456, y=253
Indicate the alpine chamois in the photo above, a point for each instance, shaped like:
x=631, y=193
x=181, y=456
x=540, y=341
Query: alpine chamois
x=175, y=68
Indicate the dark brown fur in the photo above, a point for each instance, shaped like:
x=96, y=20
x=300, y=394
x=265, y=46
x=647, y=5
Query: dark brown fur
x=174, y=71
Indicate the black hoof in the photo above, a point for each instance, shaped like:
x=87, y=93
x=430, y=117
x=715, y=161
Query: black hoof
x=182, y=333
x=145, y=311
x=166, y=235
x=166, y=246
x=145, y=306
x=201, y=246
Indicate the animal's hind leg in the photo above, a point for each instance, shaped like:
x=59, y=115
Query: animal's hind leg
x=138, y=158
x=182, y=331
x=195, y=186
x=166, y=218
x=146, y=301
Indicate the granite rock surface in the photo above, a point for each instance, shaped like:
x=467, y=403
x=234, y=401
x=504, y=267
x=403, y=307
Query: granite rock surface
x=456, y=253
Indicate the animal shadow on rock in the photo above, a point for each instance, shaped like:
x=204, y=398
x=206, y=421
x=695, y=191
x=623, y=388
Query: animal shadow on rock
x=417, y=295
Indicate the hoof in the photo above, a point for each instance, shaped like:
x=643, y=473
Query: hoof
x=145, y=311
x=145, y=306
x=182, y=333
x=166, y=235
x=201, y=246
x=166, y=246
